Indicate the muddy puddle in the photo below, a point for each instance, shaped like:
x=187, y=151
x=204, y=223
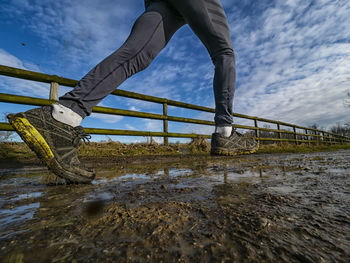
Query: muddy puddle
x=258, y=208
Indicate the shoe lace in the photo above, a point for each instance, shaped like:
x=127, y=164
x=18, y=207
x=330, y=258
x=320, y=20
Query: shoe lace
x=234, y=131
x=80, y=135
x=238, y=133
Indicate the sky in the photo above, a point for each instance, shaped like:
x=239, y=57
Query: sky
x=292, y=59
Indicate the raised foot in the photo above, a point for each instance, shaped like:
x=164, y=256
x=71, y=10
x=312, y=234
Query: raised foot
x=54, y=143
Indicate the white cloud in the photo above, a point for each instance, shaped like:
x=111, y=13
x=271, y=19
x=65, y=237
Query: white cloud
x=133, y=108
x=291, y=65
x=10, y=60
x=130, y=127
x=106, y=118
x=20, y=86
x=152, y=125
x=81, y=33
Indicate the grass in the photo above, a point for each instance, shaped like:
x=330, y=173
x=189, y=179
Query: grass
x=15, y=150
x=19, y=151
x=302, y=148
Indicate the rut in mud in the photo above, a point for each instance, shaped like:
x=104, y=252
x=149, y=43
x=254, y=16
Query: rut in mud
x=290, y=207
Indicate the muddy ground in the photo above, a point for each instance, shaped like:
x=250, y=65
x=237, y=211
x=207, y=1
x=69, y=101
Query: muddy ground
x=257, y=208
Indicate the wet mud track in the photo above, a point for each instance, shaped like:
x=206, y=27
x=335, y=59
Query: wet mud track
x=258, y=208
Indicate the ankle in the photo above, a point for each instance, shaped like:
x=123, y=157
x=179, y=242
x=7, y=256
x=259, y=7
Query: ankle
x=66, y=115
x=224, y=130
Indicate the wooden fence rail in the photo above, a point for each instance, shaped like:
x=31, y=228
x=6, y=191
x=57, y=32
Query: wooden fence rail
x=262, y=134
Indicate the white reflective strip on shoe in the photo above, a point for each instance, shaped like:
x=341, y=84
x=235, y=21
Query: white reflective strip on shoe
x=224, y=131
x=66, y=115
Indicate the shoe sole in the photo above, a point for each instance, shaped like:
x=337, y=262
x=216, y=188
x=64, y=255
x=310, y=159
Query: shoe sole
x=36, y=142
x=225, y=152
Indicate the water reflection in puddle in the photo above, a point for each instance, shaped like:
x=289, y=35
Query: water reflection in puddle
x=27, y=196
x=128, y=177
x=23, y=195
x=17, y=214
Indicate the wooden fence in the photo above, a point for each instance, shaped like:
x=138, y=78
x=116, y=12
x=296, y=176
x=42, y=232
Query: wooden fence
x=291, y=132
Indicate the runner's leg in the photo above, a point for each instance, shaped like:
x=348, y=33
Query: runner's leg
x=150, y=34
x=208, y=21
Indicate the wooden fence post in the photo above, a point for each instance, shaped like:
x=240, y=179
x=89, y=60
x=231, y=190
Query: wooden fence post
x=307, y=136
x=295, y=135
x=257, y=131
x=279, y=134
x=323, y=138
x=54, y=91
x=328, y=139
x=165, y=123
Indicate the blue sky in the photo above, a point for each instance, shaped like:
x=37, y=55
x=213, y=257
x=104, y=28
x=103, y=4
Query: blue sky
x=293, y=58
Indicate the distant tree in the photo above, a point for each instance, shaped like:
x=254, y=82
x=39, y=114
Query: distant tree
x=343, y=130
x=314, y=126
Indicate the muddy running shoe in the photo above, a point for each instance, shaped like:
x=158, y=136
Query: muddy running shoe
x=235, y=144
x=54, y=142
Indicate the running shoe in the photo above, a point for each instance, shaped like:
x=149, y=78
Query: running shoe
x=54, y=142
x=236, y=144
